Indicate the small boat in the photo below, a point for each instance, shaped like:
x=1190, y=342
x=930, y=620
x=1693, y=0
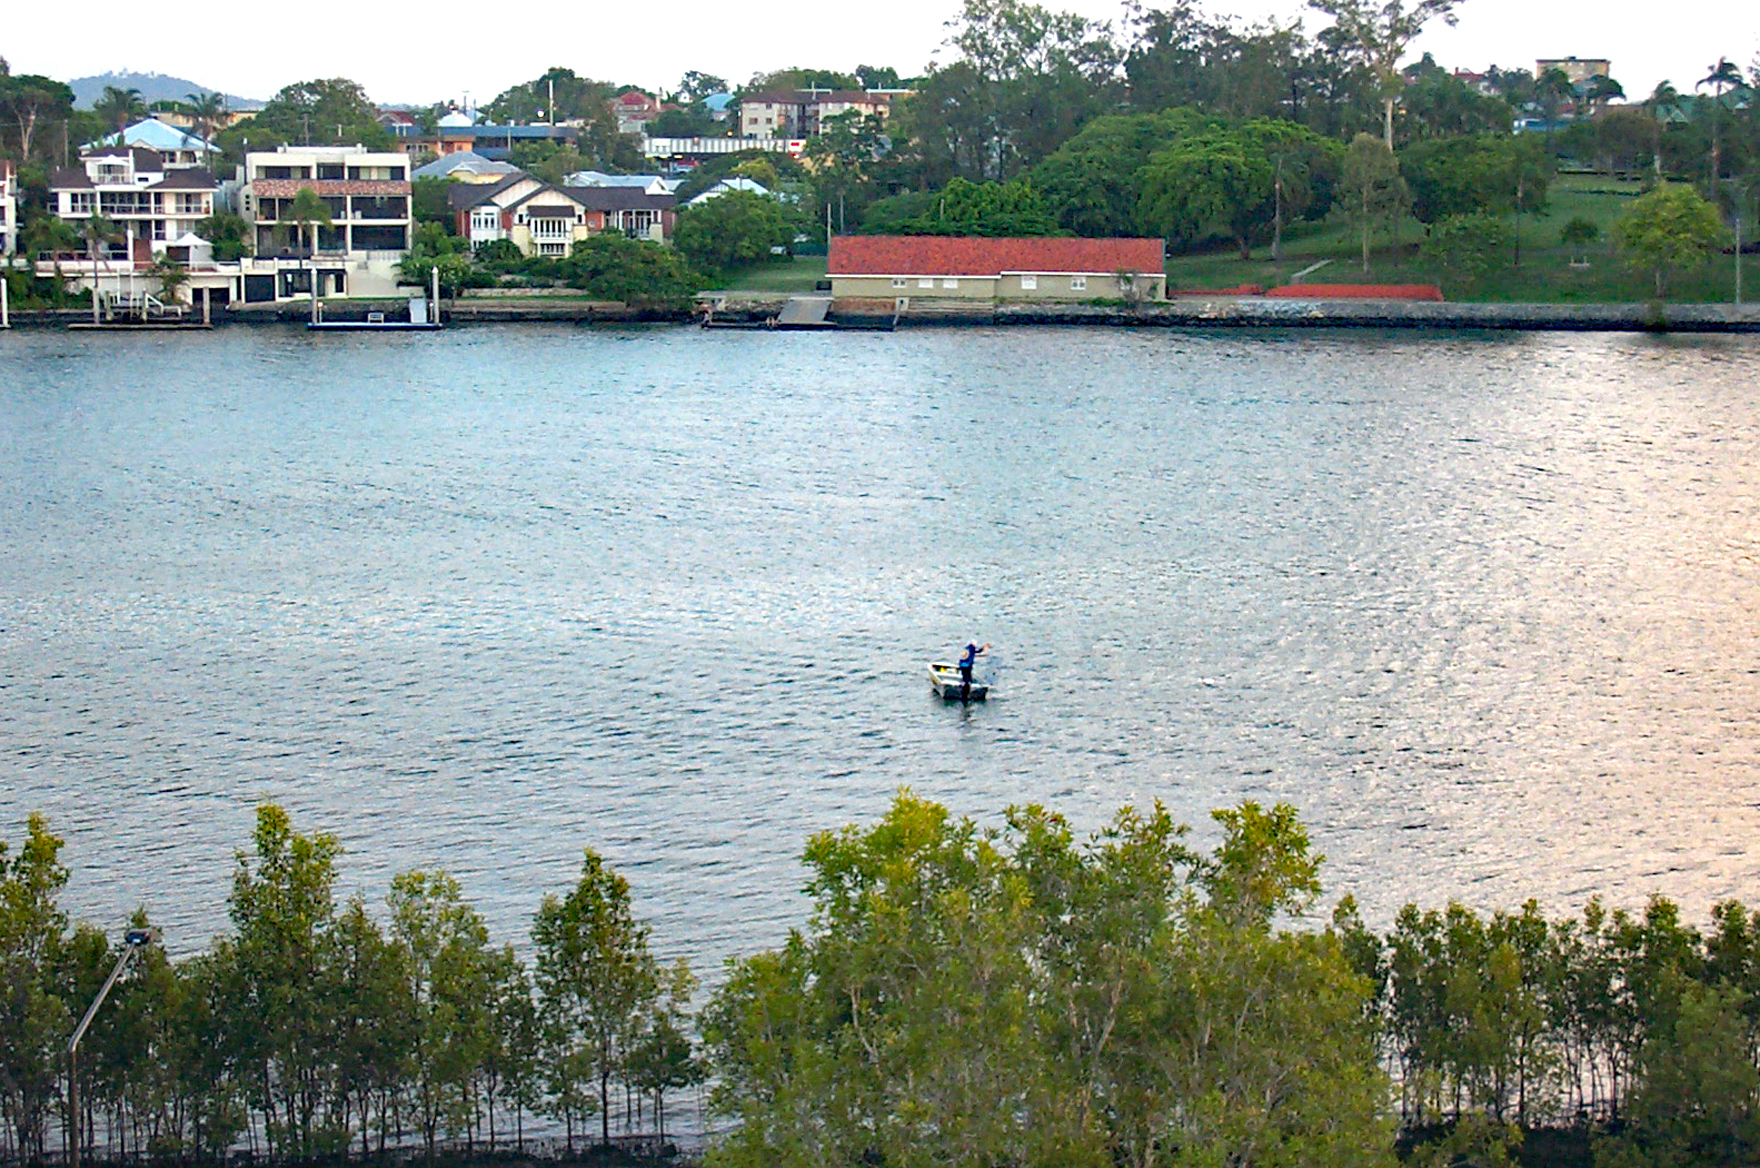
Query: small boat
x=944, y=679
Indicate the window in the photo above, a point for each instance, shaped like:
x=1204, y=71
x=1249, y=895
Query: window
x=1078, y=283
x=925, y=281
x=899, y=282
x=949, y=282
x=1029, y=283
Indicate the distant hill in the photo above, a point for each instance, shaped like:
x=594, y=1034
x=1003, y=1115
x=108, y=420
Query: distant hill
x=153, y=87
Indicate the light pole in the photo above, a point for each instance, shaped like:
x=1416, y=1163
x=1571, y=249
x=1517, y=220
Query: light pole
x=134, y=941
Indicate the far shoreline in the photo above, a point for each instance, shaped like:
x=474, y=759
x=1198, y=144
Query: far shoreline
x=1220, y=312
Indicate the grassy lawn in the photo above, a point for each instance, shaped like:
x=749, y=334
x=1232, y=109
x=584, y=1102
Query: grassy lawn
x=1548, y=272
x=793, y=276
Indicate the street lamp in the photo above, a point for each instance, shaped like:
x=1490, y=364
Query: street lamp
x=134, y=941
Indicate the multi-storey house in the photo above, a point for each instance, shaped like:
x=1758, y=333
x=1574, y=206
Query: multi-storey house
x=367, y=195
x=153, y=206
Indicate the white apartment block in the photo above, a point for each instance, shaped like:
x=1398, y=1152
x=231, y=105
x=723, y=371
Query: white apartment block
x=367, y=194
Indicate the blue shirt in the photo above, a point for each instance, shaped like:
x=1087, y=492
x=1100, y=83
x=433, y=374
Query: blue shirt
x=970, y=658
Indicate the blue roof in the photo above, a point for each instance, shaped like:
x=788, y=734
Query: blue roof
x=156, y=135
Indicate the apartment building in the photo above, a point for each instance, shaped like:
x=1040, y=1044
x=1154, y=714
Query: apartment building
x=367, y=195
x=802, y=113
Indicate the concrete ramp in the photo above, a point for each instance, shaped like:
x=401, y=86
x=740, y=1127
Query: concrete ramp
x=805, y=312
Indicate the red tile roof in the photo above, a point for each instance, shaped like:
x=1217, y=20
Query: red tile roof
x=948, y=255
x=286, y=188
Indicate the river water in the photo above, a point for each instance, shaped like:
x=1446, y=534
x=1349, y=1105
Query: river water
x=1483, y=607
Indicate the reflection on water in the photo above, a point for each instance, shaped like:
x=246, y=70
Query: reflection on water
x=1483, y=608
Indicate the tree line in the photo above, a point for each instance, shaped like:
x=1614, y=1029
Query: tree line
x=959, y=994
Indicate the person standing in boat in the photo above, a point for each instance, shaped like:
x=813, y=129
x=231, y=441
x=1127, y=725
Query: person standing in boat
x=968, y=659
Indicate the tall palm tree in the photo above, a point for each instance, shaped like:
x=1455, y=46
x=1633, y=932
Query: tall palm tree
x=206, y=111
x=98, y=229
x=1551, y=90
x=1724, y=75
x=308, y=209
x=1664, y=97
x=1601, y=90
x=119, y=107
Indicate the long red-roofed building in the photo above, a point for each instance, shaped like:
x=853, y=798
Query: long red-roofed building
x=973, y=268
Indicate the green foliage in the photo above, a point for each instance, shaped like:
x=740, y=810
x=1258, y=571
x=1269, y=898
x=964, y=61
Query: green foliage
x=733, y=230
x=1670, y=229
x=635, y=271
x=1698, y=1102
x=1477, y=174
x=1248, y=181
x=725, y=165
x=1093, y=182
x=977, y=997
x=580, y=102
x=1025, y=80
x=28, y=103
x=1378, y=33
x=1579, y=231
x=1464, y=248
x=1371, y=187
x=331, y=111
x=597, y=982
x=229, y=233
x=35, y=1017
x=428, y=203
x=1001, y=210
x=171, y=274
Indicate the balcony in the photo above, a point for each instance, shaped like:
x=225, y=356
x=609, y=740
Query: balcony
x=381, y=209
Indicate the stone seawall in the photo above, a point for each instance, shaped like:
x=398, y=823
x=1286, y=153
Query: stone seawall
x=1220, y=312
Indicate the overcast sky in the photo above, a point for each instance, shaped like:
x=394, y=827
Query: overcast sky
x=437, y=52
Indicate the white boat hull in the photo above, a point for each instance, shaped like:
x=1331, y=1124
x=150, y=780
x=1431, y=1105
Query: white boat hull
x=945, y=680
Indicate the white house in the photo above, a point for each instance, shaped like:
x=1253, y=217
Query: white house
x=154, y=205
x=737, y=183
x=367, y=194
x=8, y=208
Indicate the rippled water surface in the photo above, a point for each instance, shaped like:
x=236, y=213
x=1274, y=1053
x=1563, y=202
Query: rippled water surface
x=1483, y=607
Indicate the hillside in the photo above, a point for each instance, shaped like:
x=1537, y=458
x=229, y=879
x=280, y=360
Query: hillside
x=153, y=87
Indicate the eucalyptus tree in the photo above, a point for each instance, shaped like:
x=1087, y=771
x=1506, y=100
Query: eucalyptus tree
x=27, y=101
x=596, y=980
x=1379, y=35
x=1373, y=191
x=1026, y=78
